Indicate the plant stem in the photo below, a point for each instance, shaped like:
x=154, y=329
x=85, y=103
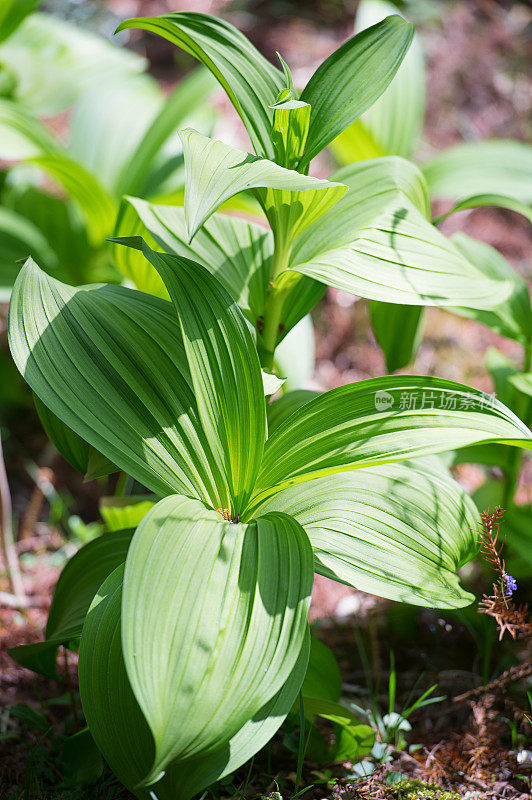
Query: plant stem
x=267, y=340
x=8, y=544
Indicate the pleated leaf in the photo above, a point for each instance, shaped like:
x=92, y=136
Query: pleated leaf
x=237, y=252
x=487, y=200
x=215, y=172
x=225, y=373
x=214, y=619
x=120, y=729
x=383, y=419
x=251, y=82
x=495, y=166
x=108, y=361
x=352, y=79
x=72, y=447
x=398, y=530
x=393, y=124
x=75, y=590
x=21, y=134
x=378, y=243
x=511, y=318
x=398, y=330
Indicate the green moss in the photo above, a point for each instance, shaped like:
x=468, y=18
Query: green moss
x=407, y=789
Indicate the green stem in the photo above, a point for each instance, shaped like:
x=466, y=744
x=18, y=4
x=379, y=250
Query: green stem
x=268, y=338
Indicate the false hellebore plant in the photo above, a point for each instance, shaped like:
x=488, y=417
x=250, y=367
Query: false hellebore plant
x=196, y=641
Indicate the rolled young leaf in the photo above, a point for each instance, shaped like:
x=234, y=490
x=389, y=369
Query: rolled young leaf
x=351, y=79
x=398, y=530
x=215, y=172
x=251, y=82
x=120, y=729
x=109, y=362
x=379, y=420
x=225, y=373
x=214, y=619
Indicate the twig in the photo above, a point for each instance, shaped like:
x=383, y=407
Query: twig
x=8, y=545
x=516, y=673
x=11, y=601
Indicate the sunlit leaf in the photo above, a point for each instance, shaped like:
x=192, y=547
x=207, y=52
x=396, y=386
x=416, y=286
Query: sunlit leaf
x=109, y=362
x=242, y=592
x=377, y=242
x=380, y=420
x=225, y=373
x=399, y=531
x=251, y=82
x=348, y=82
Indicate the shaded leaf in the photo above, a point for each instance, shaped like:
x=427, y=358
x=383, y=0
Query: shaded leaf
x=399, y=531
x=109, y=362
x=398, y=330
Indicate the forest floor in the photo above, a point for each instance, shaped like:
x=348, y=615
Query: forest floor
x=478, y=55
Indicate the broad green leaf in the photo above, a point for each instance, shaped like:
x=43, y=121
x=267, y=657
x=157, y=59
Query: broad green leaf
x=225, y=373
x=285, y=406
x=395, y=121
x=352, y=79
x=72, y=447
x=511, y=318
x=251, y=82
x=323, y=679
x=518, y=543
x=376, y=242
x=242, y=592
x=125, y=512
x=496, y=166
x=12, y=13
x=215, y=172
x=79, y=582
x=54, y=61
x=21, y=134
x=189, y=95
x=74, y=592
x=109, y=362
x=398, y=530
x=356, y=738
x=398, y=331
x=96, y=205
x=61, y=225
x=129, y=260
x=119, y=727
x=107, y=126
x=379, y=420
x=19, y=238
x=237, y=252
x=482, y=200
x=40, y=657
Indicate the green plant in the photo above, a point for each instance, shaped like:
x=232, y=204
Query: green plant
x=458, y=174
x=193, y=627
x=59, y=200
